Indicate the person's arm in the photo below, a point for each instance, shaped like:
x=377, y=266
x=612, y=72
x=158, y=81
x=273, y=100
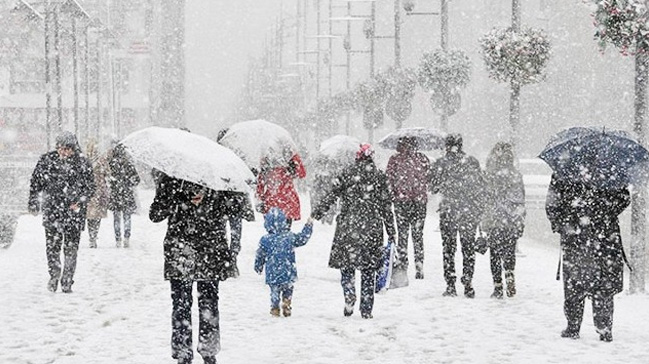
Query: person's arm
x=162, y=206
x=329, y=198
x=303, y=237
x=260, y=257
x=89, y=188
x=385, y=202
x=36, y=186
x=553, y=205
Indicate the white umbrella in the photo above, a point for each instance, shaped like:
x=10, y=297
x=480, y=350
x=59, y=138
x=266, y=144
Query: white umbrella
x=253, y=140
x=427, y=138
x=338, y=151
x=190, y=157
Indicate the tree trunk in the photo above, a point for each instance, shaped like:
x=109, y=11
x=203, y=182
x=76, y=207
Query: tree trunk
x=638, y=198
x=514, y=112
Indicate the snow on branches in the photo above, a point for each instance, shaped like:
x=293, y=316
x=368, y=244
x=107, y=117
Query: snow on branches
x=622, y=23
x=516, y=57
x=450, y=70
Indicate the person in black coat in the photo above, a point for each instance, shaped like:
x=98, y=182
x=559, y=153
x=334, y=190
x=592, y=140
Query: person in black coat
x=123, y=179
x=593, y=256
x=366, y=209
x=195, y=249
x=457, y=176
x=64, y=180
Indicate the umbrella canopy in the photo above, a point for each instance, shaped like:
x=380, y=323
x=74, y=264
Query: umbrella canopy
x=190, y=157
x=335, y=154
x=253, y=140
x=426, y=138
x=595, y=156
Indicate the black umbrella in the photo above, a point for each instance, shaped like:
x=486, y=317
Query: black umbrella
x=597, y=157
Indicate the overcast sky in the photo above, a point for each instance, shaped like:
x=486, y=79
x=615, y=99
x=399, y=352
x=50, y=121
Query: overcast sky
x=220, y=37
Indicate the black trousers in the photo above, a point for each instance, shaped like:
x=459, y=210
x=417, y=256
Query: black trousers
x=348, y=282
x=93, y=228
x=410, y=217
x=68, y=240
x=502, y=253
x=450, y=225
x=573, y=306
x=209, y=336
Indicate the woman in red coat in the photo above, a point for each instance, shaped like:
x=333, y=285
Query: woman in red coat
x=275, y=187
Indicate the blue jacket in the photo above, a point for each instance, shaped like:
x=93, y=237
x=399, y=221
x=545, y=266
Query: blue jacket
x=277, y=248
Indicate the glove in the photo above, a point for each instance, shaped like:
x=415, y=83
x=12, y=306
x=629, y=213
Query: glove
x=33, y=209
x=260, y=207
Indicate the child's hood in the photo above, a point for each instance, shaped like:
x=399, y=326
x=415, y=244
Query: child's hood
x=275, y=221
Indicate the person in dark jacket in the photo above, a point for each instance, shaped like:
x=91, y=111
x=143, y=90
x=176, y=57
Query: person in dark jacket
x=277, y=252
x=457, y=176
x=504, y=217
x=408, y=179
x=366, y=209
x=195, y=250
x=593, y=256
x=64, y=179
x=123, y=179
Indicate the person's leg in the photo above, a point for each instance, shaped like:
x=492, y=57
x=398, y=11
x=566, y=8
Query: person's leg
x=53, y=243
x=573, y=305
x=495, y=259
x=509, y=263
x=93, y=231
x=209, y=334
x=367, y=292
x=418, y=219
x=127, y=228
x=274, y=299
x=70, y=249
x=347, y=281
x=467, y=240
x=117, y=227
x=403, y=225
x=603, y=315
x=287, y=299
x=448, y=230
x=181, y=321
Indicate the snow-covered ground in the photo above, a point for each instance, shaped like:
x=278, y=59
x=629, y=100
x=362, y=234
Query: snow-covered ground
x=120, y=310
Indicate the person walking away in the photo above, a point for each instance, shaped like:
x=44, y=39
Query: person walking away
x=408, y=179
x=458, y=178
x=98, y=204
x=366, y=209
x=195, y=250
x=592, y=251
x=277, y=252
x=63, y=179
x=504, y=218
x=275, y=186
x=123, y=179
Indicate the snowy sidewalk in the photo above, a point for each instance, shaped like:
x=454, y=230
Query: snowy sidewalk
x=120, y=310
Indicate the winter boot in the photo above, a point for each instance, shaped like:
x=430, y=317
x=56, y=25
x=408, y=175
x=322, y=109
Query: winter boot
x=118, y=243
x=366, y=315
x=606, y=337
x=570, y=333
x=469, y=292
x=450, y=290
x=274, y=311
x=511, y=284
x=126, y=243
x=209, y=360
x=52, y=284
x=498, y=291
x=420, y=270
x=286, y=307
x=93, y=244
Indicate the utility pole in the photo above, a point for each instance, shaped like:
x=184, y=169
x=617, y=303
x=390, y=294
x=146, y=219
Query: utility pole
x=397, y=34
x=514, y=97
x=75, y=75
x=444, y=43
x=48, y=76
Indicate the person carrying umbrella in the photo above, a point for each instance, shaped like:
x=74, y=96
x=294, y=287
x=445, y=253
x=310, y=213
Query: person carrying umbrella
x=408, y=179
x=588, y=191
x=64, y=179
x=366, y=209
x=457, y=176
x=195, y=250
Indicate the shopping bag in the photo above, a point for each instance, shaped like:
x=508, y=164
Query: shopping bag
x=385, y=271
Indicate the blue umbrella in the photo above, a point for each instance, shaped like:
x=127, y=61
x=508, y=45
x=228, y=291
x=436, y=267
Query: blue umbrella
x=597, y=157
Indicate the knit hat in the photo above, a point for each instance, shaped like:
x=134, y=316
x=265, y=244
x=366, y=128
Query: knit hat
x=66, y=139
x=365, y=152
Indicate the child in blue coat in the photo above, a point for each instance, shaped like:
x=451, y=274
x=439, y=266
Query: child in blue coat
x=277, y=251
